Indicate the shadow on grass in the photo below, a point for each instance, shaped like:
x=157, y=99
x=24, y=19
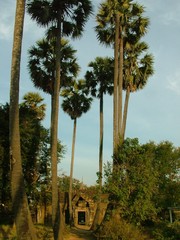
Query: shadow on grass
x=82, y=234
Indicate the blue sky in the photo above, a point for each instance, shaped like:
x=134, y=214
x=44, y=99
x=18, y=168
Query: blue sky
x=153, y=112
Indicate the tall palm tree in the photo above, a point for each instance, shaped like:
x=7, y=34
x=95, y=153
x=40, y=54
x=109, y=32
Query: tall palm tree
x=41, y=65
x=69, y=18
x=75, y=103
x=116, y=21
x=99, y=81
x=42, y=60
x=23, y=220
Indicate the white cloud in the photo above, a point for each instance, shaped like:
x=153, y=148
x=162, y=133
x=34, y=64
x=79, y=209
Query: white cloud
x=5, y=31
x=171, y=17
x=174, y=82
x=169, y=13
x=7, y=20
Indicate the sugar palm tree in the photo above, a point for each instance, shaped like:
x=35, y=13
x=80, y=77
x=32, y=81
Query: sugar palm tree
x=116, y=21
x=42, y=58
x=138, y=67
x=33, y=101
x=23, y=220
x=75, y=103
x=99, y=81
x=68, y=18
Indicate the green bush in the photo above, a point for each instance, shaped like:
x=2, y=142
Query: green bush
x=120, y=230
x=166, y=231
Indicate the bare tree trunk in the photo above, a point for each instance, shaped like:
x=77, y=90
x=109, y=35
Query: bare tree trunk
x=120, y=99
x=126, y=103
x=115, y=99
x=71, y=174
x=23, y=221
x=56, y=214
x=101, y=142
x=96, y=221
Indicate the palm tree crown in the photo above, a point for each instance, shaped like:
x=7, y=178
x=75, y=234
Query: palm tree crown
x=132, y=22
x=73, y=14
x=99, y=80
x=33, y=101
x=138, y=66
x=42, y=64
x=75, y=101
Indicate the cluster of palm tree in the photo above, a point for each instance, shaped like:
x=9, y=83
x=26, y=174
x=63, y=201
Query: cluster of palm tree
x=53, y=68
x=121, y=24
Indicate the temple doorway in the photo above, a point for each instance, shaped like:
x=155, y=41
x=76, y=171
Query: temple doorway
x=81, y=217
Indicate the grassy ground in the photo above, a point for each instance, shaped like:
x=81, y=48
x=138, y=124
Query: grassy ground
x=46, y=233
x=9, y=232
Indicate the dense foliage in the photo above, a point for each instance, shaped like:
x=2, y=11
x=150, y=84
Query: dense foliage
x=35, y=148
x=144, y=181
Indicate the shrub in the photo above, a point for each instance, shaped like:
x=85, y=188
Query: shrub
x=120, y=230
x=164, y=231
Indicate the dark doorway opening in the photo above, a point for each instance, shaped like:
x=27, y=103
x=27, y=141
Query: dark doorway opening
x=81, y=218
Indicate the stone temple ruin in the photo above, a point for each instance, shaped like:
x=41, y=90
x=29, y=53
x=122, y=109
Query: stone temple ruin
x=84, y=209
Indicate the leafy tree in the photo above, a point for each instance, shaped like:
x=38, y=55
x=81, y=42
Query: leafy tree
x=75, y=103
x=32, y=112
x=22, y=217
x=139, y=184
x=5, y=193
x=35, y=151
x=64, y=182
x=131, y=191
x=167, y=164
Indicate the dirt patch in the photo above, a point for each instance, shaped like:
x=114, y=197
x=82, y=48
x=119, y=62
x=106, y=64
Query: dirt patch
x=80, y=234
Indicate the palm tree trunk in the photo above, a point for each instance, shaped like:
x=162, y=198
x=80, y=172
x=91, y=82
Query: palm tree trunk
x=97, y=219
x=56, y=214
x=101, y=142
x=71, y=174
x=23, y=220
x=126, y=103
x=120, y=89
x=115, y=99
